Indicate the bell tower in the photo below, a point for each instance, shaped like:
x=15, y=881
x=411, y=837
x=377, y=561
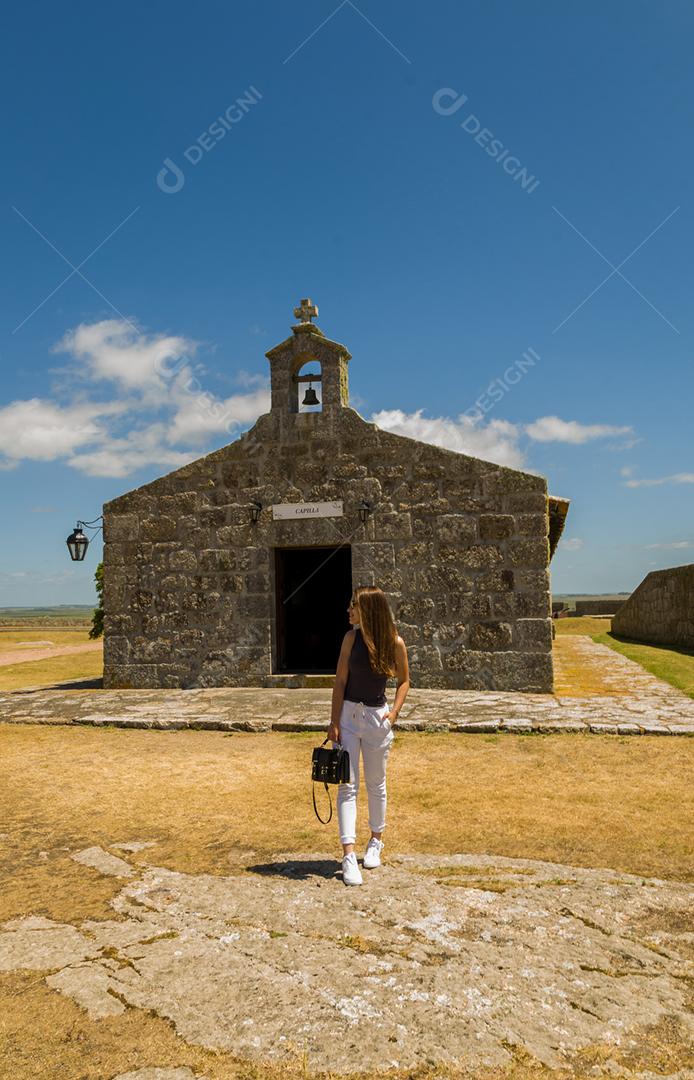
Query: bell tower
x=308, y=345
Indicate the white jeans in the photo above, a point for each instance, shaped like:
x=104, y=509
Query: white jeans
x=363, y=728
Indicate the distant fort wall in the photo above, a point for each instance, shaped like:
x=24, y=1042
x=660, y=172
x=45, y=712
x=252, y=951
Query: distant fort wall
x=661, y=610
x=598, y=607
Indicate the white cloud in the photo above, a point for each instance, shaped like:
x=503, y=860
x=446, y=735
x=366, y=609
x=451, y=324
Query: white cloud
x=676, y=478
x=248, y=378
x=158, y=368
x=200, y=414
x=122, y=456
x=496, y=441
x=676, y=545
x=554, y=429
x=40, y=430
x=159, y=412
x=114, y=350
x=573, y=543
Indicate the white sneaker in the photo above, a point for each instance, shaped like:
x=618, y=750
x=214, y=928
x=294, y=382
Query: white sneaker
x=351, y=874
x=372, y=855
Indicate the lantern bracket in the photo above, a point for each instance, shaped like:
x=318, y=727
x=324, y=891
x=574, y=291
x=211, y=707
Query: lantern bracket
x=91, y=524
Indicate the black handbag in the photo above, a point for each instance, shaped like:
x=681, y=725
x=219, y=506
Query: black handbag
x=332, y=767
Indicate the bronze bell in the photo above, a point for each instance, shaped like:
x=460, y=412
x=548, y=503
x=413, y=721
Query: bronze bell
x=310, y=397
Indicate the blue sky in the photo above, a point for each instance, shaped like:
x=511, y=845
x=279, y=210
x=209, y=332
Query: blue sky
x=453, y=184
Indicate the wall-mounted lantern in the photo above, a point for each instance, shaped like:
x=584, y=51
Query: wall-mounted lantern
x=365, y=508
x=256, y=507
x=77, y=542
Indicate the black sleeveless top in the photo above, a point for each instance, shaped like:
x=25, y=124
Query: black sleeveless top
x=363, y=683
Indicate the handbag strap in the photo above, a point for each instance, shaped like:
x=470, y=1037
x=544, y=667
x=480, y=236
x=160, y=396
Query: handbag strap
x=316, y=808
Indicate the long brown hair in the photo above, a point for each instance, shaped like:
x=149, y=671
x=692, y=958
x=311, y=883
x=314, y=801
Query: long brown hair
x=377, y=628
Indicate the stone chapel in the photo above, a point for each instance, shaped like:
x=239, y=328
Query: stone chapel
x=236, y=570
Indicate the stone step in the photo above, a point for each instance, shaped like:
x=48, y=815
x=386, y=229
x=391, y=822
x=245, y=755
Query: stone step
x=299, y=681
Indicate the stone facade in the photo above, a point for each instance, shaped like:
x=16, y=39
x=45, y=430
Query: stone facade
x=661, y=610
x=460, y=546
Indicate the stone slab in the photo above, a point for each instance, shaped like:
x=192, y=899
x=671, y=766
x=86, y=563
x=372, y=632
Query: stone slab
x=444, y=959
x=104, y=862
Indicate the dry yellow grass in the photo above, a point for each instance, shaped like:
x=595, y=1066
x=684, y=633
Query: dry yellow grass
x=618, y=802
x=623, y=802
x=50, y=670
x=10, y=639
x=584, y=624
x=56, y=669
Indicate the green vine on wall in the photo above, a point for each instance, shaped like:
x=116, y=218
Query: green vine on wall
x=97, y=628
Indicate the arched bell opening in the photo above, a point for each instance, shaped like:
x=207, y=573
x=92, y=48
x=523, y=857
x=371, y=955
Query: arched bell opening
x=308, y=382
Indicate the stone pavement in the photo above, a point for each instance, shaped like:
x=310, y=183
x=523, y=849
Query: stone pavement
x=434, y=959
x=649, y=706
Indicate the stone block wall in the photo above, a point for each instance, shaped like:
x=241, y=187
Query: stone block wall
x=598, y=607
x=661, y=610
x=459, y=546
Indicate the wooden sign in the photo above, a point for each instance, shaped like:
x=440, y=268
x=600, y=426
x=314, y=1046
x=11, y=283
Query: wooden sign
x=285, y=511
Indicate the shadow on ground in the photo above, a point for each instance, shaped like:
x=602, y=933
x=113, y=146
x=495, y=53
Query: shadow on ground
x=72, y=684
x=300, y=869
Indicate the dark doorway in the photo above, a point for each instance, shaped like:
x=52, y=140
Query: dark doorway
x=312, y=587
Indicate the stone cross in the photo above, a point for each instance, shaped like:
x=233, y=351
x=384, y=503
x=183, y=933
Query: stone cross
x=306, y=311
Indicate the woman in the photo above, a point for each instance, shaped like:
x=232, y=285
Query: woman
x=361, y=719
